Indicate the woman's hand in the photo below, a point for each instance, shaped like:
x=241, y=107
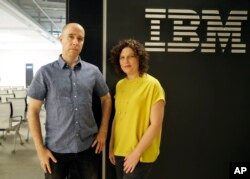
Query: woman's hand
x=130, y=162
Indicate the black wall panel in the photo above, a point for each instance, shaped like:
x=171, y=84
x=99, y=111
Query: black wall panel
x=206, y=123
x=89, y=15
x=207, y=114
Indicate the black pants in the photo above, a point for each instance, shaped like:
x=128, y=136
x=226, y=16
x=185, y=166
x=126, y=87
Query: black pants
x=82, y=165
x=141, y=170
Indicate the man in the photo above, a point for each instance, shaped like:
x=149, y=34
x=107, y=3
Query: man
x=65, y=87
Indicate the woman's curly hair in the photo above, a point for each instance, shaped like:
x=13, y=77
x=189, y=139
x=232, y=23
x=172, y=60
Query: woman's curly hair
x=139, y=52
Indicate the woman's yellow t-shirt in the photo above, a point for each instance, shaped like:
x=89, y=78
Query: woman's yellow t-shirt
x=133, y=102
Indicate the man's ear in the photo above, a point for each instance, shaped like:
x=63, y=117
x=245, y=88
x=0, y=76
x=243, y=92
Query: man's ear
x=60, y=38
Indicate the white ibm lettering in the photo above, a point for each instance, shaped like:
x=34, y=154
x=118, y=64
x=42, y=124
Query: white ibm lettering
x=156, y=15
x=227, y=34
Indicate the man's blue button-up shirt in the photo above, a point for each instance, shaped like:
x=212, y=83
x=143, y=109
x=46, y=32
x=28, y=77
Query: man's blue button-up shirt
x=70, y=125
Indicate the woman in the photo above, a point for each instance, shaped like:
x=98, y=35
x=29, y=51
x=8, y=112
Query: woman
x=139, y=110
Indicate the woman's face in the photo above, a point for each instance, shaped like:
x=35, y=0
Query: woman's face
x=129, y=62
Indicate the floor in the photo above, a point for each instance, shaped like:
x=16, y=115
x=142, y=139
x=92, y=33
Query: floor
x=24, y=163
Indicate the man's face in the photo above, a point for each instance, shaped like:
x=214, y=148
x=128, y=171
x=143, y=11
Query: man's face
x=72, y=40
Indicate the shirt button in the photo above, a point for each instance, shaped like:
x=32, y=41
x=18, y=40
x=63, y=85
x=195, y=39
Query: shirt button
x=76, y=109
x=76, y=122
x=74, y=84
x=75, y=96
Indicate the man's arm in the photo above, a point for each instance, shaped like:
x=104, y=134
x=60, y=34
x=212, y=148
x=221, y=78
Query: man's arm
x=34, y=108
x=101, y=137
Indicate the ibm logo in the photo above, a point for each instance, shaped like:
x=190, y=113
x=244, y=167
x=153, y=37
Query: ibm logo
x=216, y=31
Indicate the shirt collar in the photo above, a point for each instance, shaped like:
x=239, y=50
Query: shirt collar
x=64, y=65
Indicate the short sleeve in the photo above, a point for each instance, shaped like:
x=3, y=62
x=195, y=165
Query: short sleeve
x=101, y=88
x=158, y=93
x=37, y=88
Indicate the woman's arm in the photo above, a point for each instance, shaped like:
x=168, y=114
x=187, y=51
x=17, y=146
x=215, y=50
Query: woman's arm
x=156, y=120
x=111, y=144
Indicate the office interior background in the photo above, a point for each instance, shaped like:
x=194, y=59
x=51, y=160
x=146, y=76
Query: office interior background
x=28, y=35
x=199, y=51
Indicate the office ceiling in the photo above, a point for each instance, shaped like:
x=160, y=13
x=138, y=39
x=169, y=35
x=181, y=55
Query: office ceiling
x=29, y=22
x=50, y=14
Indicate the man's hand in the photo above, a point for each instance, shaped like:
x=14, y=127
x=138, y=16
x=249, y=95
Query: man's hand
x=44, y=156
x=99, y=142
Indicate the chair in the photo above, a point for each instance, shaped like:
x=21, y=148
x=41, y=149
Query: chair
x=19, y=106
x=17, y=87
x=3, y=91
x=4, y=87
x=20, y=93
x=9, y=123
x=4, y=96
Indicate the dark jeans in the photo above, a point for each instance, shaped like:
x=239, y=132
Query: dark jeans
x=82, y=165
x=141, y=171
